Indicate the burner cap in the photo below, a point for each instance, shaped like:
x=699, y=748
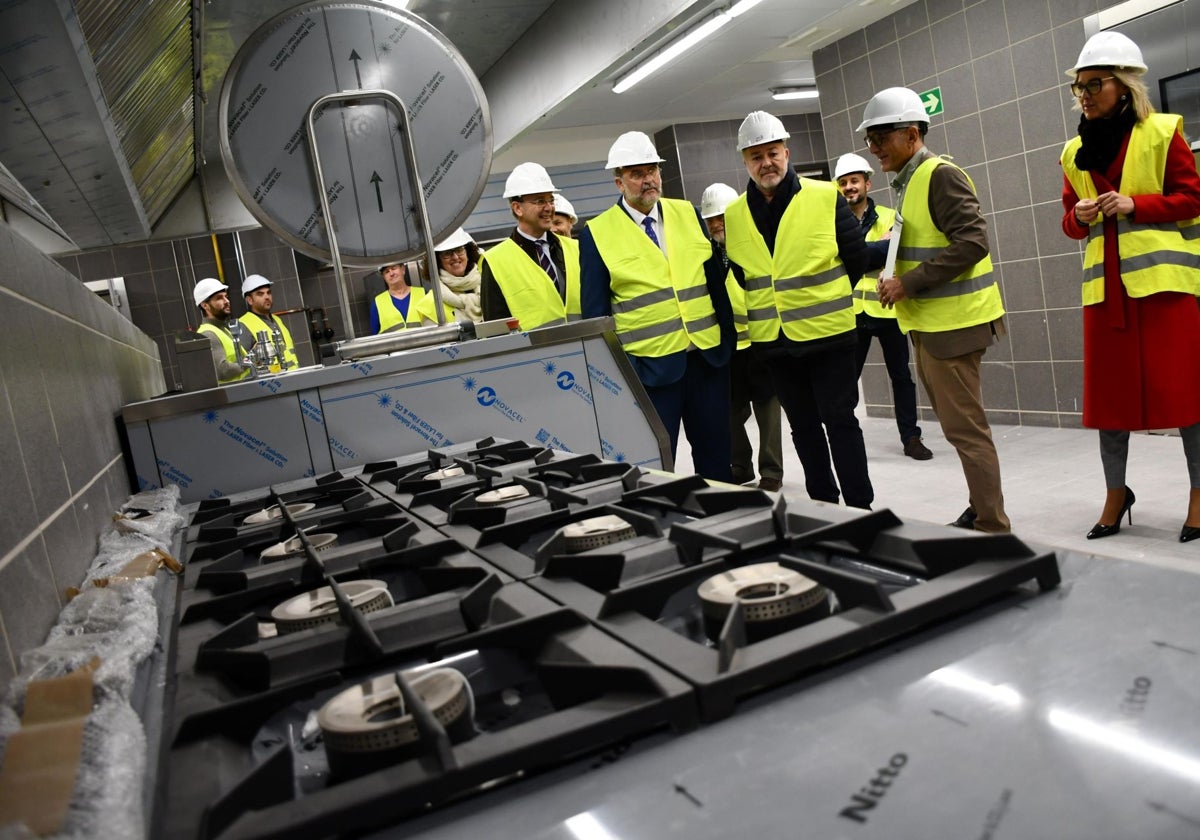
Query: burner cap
x=274, y=512
x=370, y=717
x=445, y=472
x=294, y=548
x=507, y=493
x=767, y=591
x=319, y=607
x=596, y=532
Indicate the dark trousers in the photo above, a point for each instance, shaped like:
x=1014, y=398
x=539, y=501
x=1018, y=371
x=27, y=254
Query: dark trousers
x=700, y=401
x=750, y=386
x=820, y=389
x=895, y=356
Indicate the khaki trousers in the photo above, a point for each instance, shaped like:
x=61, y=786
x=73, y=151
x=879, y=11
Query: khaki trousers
x=956, y=395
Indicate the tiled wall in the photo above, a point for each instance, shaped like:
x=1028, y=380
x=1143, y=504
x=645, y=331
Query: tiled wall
x=1000, y=65
x=699, y=154
x=68, y=362
x=159, y=278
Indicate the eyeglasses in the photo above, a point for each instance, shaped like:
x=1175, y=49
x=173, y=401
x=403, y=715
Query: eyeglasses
x=454, y=253
x=876, y=138
x=1091, y=86
x=538, y=202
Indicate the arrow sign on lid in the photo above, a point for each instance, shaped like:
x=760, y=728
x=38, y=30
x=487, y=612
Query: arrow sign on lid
x=932, y=100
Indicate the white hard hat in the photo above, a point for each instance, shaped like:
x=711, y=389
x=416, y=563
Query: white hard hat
x=760, y=127
x=458, y=239
x=1109, y=49
x=851, y=162
x=254, y=281
x=206, y=288
x=715, y=199
x=528, y=179
x=633, y=148
x=893, y=105
x=561, y=205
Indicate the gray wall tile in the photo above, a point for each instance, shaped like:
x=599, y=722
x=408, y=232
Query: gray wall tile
x=916, y=52
x=1002, y=131
x=1062, y=279
x=912, y=18
x=1047, y=220
x=950, y=46
x=999, y=387
x=853, y=47
x=958, y=93
x=1035, y=386
x=964, y=139
x=1013, y=235
x=1034, y=64
x=995, y=82
x=881, y=33
x=885, y=67
x=1009, y=183
x=1068, y=384
x=1022, y=286
x=1026, y=18
x=1066, y=335
x=938, y=9
x=29, y=603
x=987, y=30
x=1041, y=120
x=1028, y=336
x=859, y=87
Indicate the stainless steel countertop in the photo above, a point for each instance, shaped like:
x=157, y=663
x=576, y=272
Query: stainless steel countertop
x=1073, y=714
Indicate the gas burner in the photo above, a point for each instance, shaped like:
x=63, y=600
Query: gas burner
x=294, y=547
x=319, y=607
x=370, y=722
x=772, y=598
x=275, y=512
x=596, y=532
x=444, y=473
x=507, y=493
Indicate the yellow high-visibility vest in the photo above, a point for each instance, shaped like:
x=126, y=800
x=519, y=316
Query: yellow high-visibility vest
x=660, y=303
x=389, y=316
x=1155, y=257
x=866, y=294
x=256, y=325
x=227, y=345
x=531, y=295
x=802, y=288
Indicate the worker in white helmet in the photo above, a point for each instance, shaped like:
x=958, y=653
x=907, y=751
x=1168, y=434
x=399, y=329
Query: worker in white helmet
x=853, y=174
x=943, y=289
x=395, y=308
x=256, y=290
x=798, y=252
x=564, y=216
x=648, y=263
x=230, y=351
x=533, y=275
x=750, y=387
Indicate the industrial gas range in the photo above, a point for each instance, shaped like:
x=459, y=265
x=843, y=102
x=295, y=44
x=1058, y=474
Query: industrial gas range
x=502, y=640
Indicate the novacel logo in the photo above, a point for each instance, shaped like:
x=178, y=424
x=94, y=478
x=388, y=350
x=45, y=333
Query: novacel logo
x=486, y=395
x=566, y=380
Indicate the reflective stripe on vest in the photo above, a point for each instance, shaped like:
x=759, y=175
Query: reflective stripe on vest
x=1155, y=257
x=227, y=345
x=256, y=325
x=866, y=292
x=660, y=305
x=571, y=258
x=737, y=302
x=389, y=315
x=531, y=295
x=971, y=298
x=812, y=297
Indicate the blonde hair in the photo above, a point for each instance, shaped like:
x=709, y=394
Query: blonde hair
x=1133, y=82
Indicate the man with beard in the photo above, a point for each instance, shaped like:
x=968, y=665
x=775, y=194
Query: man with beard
x=258, y=318
x=853, y=176
x=801, y=250
x=533, y=275
x=648, y=263
x=230, y=342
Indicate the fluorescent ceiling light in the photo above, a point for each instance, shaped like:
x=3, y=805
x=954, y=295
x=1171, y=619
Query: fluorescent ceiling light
x=695, y=36
x=783, y=93
x=741, y=7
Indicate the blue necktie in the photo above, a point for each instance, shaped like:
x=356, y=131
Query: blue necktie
x=543, y=249
x=648, y=224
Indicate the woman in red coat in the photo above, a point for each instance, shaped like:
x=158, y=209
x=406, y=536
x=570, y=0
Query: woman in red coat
x=1130, y=187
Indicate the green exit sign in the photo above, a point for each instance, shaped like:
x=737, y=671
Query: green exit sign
x=932, y=100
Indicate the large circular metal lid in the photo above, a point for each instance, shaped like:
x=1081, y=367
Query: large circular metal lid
x=321, y=48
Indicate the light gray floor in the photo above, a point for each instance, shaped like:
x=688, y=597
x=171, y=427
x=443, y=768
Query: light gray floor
x=1053, y=487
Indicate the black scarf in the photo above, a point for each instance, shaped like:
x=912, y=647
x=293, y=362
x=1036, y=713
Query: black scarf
x=1102, y=139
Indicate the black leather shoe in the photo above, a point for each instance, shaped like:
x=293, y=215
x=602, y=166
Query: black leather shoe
x=965, y=520
x=1189, y=533
x=1099, y=530
x=915, y=449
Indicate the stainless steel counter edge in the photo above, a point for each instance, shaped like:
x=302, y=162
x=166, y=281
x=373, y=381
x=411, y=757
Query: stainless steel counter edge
x=421, y=358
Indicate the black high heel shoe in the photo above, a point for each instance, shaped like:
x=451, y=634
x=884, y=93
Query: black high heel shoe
x=1099, y=530
x=1189, y=533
